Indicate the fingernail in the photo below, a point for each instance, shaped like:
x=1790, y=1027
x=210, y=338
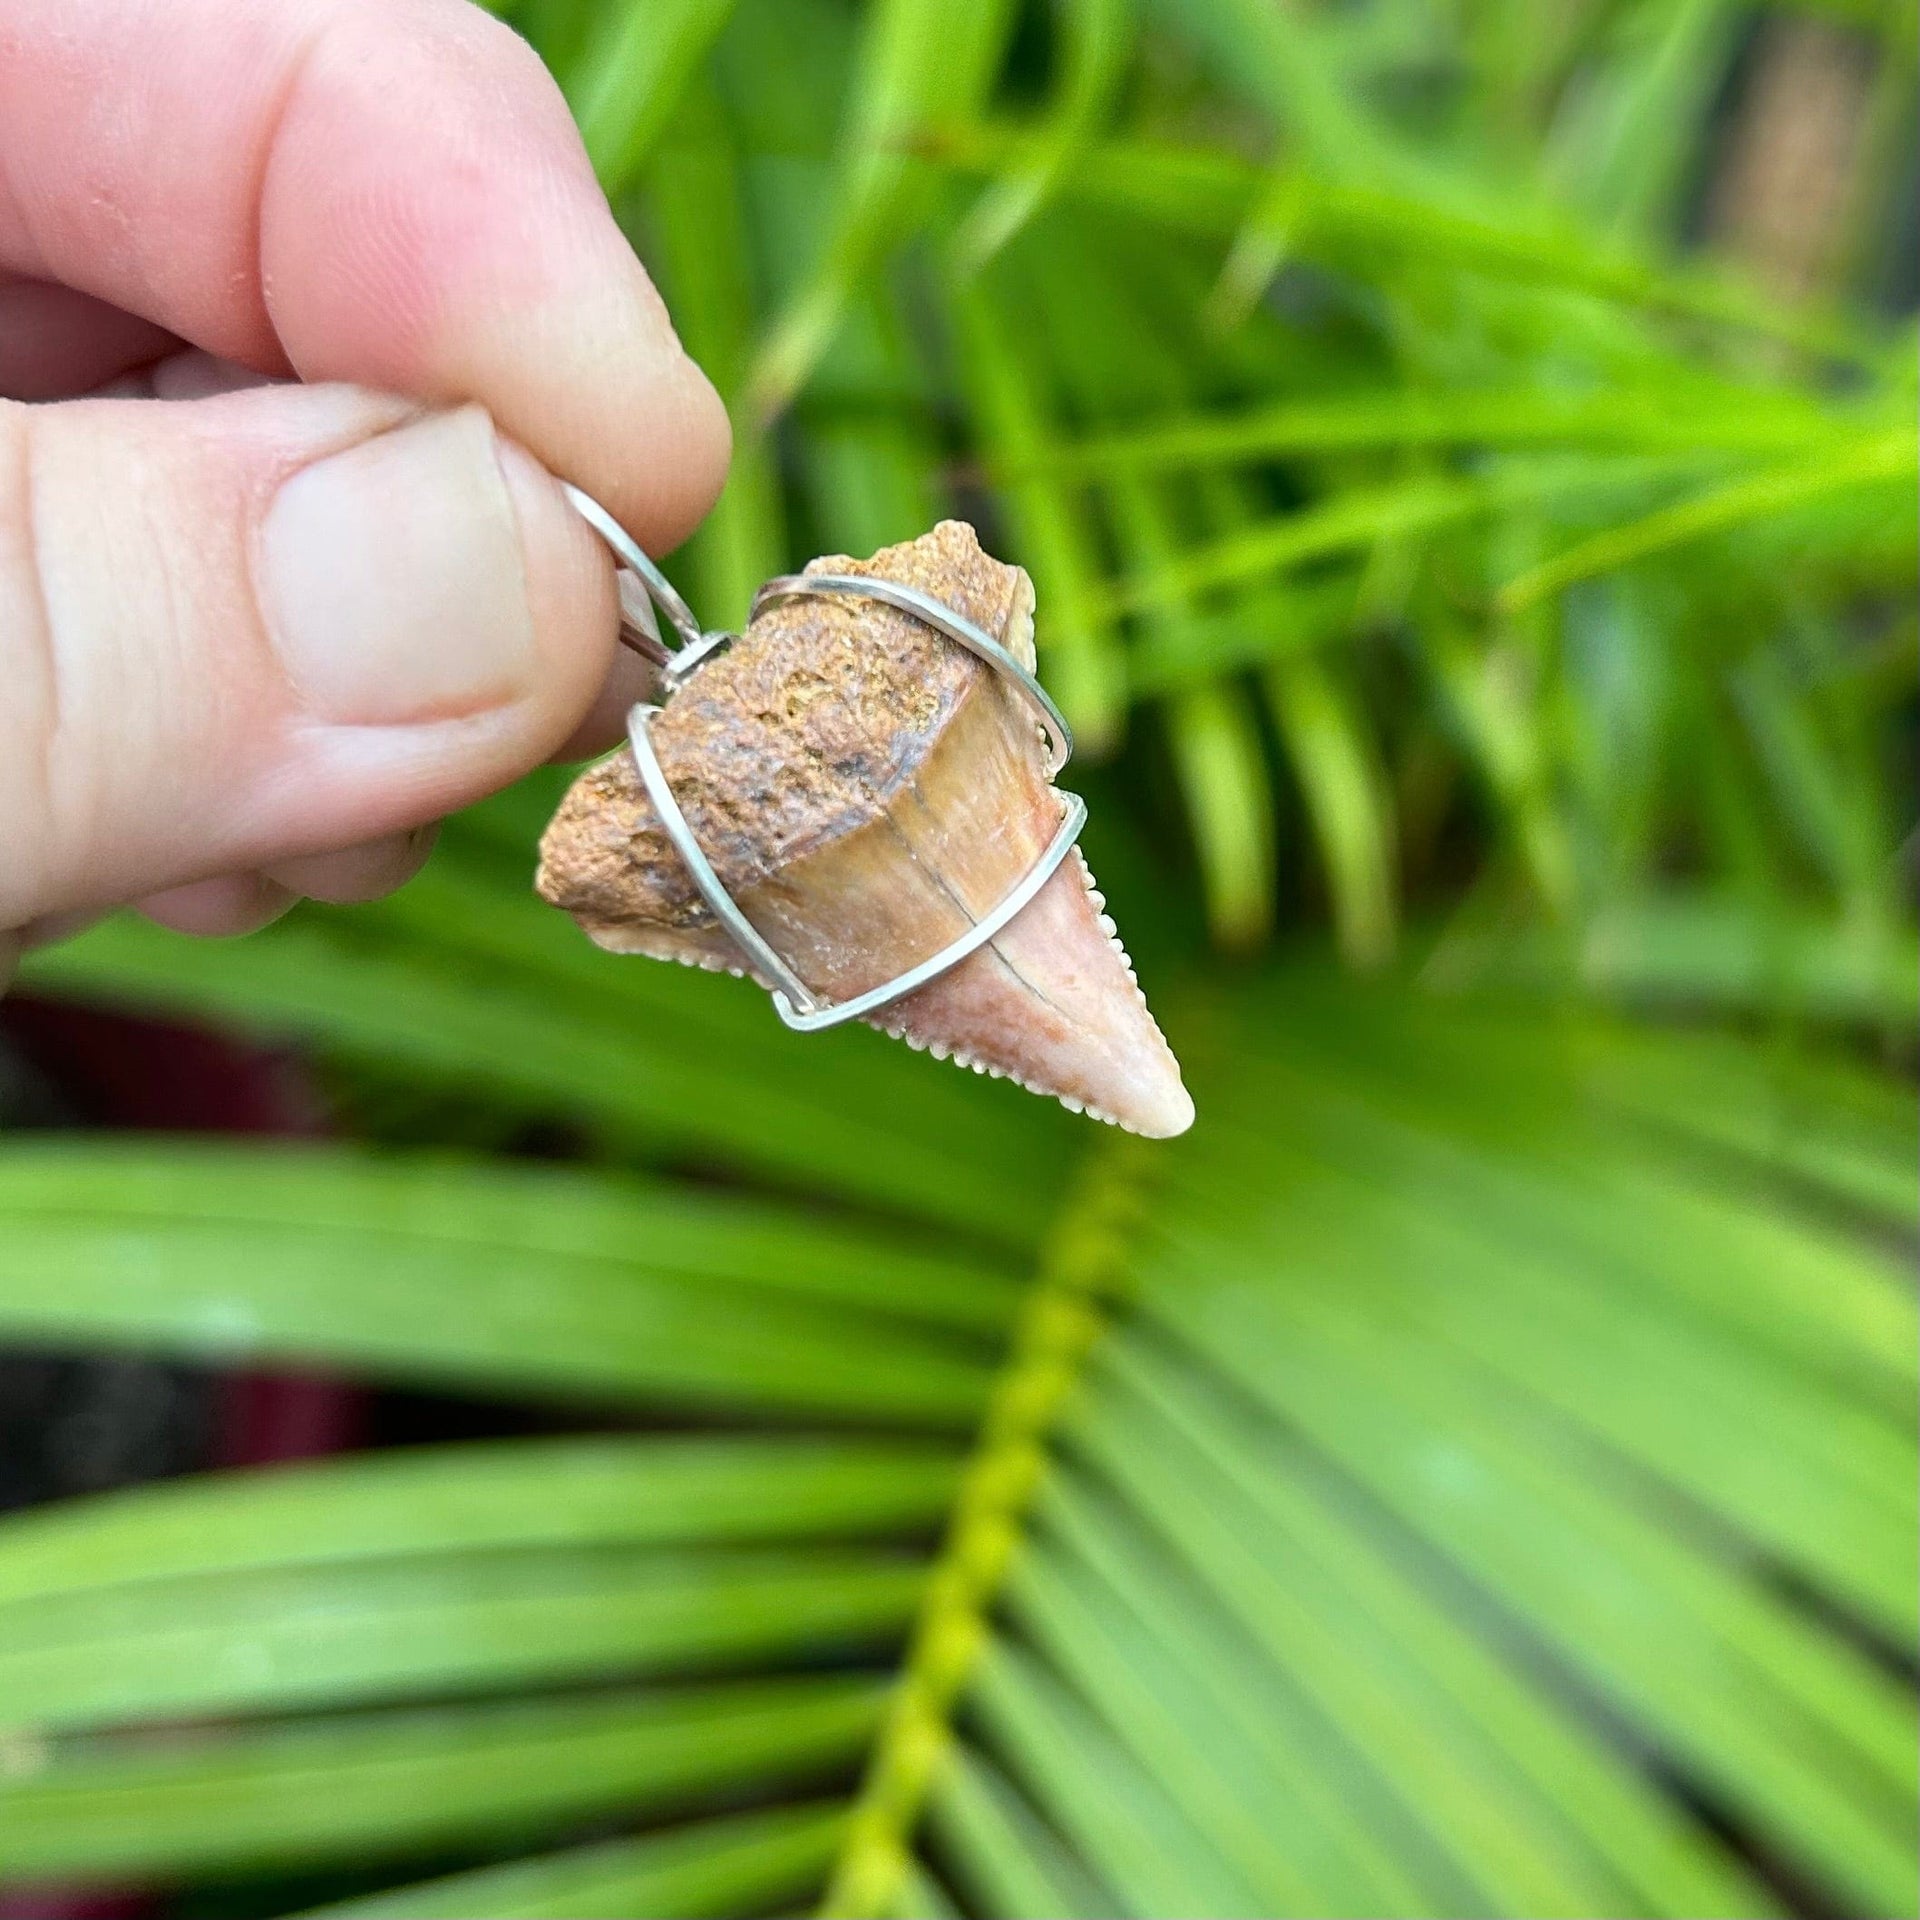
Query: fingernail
x=391, y=577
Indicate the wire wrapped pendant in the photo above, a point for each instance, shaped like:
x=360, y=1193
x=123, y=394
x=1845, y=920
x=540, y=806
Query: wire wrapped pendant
x=853, y=803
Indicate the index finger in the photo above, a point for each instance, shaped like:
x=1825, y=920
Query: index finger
x=389, y=192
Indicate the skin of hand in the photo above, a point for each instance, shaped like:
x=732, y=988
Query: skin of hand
x=302, y=307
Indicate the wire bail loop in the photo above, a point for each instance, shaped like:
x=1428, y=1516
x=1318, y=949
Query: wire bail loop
x=645, y=589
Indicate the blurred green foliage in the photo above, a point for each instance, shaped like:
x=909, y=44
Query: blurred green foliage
x=1474, y=1471
x=1379, y=455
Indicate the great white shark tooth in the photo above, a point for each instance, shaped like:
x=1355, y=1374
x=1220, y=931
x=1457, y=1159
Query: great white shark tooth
x=866, y=790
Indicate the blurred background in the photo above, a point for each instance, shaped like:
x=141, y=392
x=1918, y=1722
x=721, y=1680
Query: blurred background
x=490, y=1428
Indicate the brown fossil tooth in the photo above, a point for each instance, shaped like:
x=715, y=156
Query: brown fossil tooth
x=867, y=790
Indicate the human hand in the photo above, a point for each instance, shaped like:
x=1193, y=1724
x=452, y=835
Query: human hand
x=254, y=638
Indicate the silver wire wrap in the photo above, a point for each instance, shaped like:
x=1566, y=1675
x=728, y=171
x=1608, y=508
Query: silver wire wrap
x=639, y=629
x=643, y=587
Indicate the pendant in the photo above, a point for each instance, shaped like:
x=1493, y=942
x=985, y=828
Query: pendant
x=852, y=803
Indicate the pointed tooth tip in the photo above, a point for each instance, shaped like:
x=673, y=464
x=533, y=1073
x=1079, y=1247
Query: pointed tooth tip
x=1092, y=1044
x=1166, y=1118
x=1157, y=1109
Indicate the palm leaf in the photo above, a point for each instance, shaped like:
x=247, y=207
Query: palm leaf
x=631, y=77
x=420, y=1273
x=1883, y=459
x=716, y=1867
x=1395, y=1498
x=394, y=1783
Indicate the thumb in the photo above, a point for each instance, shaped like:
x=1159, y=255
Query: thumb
x=244, y=629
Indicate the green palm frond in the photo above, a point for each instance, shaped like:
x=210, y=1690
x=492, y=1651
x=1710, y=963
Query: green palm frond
x=1472, y=1473
x=1499, y=414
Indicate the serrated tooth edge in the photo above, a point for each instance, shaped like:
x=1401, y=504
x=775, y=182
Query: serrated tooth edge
x=1071, y=1102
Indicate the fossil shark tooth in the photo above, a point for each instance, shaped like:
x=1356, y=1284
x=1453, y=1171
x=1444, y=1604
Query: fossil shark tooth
x=867, y=790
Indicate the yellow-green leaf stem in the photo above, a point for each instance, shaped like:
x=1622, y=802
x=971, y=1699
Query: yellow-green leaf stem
x=1063, y=1318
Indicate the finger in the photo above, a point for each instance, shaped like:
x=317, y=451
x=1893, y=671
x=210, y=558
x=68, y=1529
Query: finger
x=604, y=724
x=366, y=872
x=49, y=930
x=238, y=903
x=186, y=375
x=55, y=342
x=193, y=375
x=274, y=623
x=389, y=192
x=220, y=909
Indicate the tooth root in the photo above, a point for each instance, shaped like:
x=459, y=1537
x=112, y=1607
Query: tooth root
x=855, y=879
